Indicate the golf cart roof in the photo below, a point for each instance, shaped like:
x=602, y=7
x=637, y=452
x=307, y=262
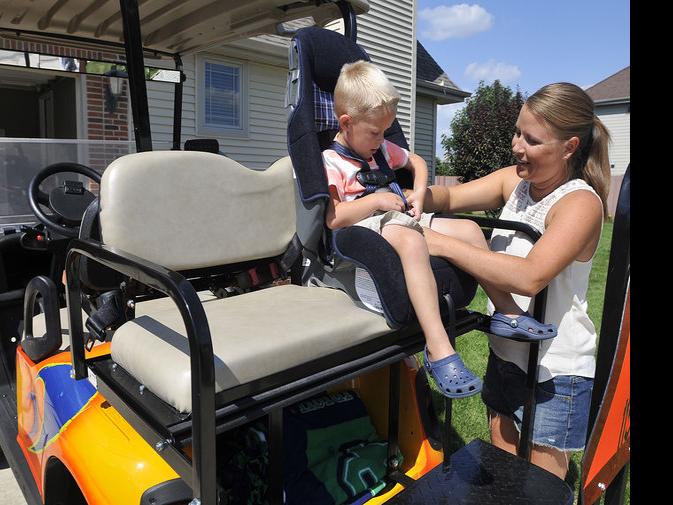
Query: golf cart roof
x=168, y=26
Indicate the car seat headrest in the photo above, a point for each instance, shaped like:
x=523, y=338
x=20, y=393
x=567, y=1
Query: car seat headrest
x=316, y=57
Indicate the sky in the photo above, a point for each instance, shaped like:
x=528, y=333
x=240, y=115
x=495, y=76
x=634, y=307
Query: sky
x=524, y=43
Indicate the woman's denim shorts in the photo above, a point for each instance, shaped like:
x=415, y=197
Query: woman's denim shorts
x=562, y=411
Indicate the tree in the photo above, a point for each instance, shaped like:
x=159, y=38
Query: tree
x=441, y=167
x=481, y=140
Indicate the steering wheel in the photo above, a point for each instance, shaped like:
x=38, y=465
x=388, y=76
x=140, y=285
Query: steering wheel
x=68, y=201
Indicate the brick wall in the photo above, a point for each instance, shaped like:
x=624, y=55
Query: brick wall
x=105, y=123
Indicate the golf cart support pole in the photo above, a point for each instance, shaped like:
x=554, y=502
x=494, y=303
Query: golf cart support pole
x=203, y=477
x=177, y=105
x=135, y=67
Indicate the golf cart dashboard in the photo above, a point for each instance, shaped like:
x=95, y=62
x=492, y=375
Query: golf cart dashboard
x=27, y=251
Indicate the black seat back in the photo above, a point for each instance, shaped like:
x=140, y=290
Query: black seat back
x=205, y=145
x=94, y=276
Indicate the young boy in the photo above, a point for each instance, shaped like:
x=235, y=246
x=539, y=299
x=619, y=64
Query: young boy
x=365, y=103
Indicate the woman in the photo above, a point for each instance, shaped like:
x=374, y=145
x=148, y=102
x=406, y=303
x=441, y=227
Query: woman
x=559, y=186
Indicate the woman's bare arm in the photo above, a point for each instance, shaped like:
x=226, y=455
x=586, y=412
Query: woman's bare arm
x=572, y=233
x=488, y=192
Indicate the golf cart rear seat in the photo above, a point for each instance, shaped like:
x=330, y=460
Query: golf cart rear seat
x=218, y=212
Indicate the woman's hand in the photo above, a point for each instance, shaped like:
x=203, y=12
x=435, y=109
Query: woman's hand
x=437, y=242
x=415, y=201
x=387, y=201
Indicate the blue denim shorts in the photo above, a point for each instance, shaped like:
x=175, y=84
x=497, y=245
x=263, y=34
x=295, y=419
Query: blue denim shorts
x=562, y=403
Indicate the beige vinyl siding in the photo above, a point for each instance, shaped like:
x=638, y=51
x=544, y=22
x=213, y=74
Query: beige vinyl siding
x=617, y=120
x=387, y=33
x=425, y=132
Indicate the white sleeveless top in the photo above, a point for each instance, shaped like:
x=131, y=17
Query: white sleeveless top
x=572, y=351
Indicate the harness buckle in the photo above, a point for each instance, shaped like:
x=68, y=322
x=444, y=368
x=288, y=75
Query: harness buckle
x=373, y=177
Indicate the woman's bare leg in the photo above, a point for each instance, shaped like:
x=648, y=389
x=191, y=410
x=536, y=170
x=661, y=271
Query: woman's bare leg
x=505, y=436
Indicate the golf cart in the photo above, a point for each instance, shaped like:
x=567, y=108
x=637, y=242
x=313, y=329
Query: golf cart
x=192, y=309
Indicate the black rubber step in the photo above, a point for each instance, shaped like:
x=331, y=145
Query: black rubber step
x=482, y=474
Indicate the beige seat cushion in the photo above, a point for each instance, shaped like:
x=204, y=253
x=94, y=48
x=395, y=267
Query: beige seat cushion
x=254, y=335
x=40, y=329
x=190, y=209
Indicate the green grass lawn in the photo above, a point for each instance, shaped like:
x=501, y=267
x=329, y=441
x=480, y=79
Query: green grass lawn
x=469, y=415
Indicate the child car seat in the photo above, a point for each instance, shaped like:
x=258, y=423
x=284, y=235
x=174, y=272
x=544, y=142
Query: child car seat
x=352, y=257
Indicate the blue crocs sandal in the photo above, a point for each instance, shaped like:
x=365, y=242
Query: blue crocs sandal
x=453, y=378
x=523, y=328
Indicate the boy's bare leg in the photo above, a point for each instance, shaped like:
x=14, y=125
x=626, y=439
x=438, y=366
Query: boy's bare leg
x=469, y=231
x=412, y=249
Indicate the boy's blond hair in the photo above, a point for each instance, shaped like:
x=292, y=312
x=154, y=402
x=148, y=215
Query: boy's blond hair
x=363, y=90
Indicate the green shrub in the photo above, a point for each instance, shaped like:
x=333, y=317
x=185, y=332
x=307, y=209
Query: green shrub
x=442, y=167
x=481, y=139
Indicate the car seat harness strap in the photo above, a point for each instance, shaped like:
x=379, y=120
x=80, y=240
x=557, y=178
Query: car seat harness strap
x=373, y=179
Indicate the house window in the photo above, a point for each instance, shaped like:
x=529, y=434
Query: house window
x=222, y=103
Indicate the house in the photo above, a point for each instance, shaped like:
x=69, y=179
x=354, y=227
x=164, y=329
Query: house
x=256, y=137
x=612, y=104
x=433, y=87
x=234, y=92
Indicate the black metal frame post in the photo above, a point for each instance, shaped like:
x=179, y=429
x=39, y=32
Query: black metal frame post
x=349, y=17
x=616, y=290
x=275, y=469
x=177, y=105
x=615, y=494
x=203, y=481
x=616, y=285
x=135, y=66
x=394, y=472
x=532, y=373
x=445, y=432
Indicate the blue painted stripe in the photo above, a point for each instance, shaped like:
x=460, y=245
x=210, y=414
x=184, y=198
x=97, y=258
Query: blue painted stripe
x=64, y=398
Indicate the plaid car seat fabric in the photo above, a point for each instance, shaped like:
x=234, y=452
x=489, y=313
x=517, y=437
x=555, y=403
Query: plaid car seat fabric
x=323, y=104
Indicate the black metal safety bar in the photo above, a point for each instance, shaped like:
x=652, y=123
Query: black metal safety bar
x=38, y=347
x=532, y=373
x=122, y=392
x=171, y=283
